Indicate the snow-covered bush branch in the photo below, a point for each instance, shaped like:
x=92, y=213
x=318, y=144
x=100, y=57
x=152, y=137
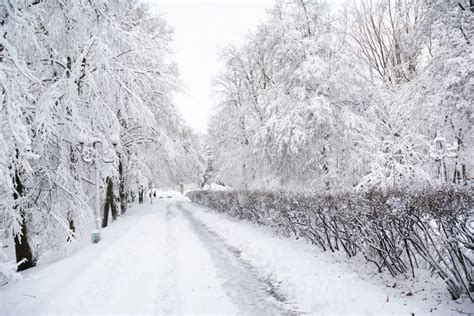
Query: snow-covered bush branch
x=398, y=231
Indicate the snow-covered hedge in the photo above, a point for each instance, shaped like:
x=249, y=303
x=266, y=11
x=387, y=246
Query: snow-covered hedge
x=397, y=231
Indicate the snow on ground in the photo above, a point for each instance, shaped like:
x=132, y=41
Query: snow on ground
x=324, y=283
x=154, y=260
x=176, y=257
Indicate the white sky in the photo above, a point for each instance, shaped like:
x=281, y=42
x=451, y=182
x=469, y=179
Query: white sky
x=200, y=29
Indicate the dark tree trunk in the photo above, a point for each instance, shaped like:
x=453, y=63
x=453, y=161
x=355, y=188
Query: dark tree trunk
x=140, y=197
x=72, y=167
x=105, y=216
x=122, y=195
x=72, y=230
x=22, y=247
x=455, y=172
x=109, y=203
x=464, y=177
x=113, y=206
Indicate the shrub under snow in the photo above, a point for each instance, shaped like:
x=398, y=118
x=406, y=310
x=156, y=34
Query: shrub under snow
x=398, y=231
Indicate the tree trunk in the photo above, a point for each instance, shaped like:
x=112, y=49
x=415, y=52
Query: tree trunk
x=140, y=197
x=113, y=206
x=445, y=172
x=109, y=203
x=464, y=176
x=72, y=230
x=22, y=247
x=105, y=217
x=455, y=173
x=122, y=195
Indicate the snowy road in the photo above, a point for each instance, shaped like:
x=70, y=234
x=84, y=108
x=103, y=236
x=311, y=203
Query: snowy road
x=166, y=262
x=174, y=257
x=249, y=289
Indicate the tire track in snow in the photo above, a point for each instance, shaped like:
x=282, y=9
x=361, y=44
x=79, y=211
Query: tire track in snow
x=250, y=290
x=169, y=298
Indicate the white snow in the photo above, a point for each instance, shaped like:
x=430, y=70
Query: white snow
x=176, y=257
x=326, y=283
x=216, y=187
x=142, y=265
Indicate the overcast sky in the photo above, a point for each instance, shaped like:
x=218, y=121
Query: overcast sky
x=200, y=29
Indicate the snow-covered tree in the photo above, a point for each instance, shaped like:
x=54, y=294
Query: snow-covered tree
x=352, y=99
x=288, y=93
x=86, y=103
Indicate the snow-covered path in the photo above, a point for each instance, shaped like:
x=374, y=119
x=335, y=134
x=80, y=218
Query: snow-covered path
x=173, y=257
x=250, y=290
x=165, y=262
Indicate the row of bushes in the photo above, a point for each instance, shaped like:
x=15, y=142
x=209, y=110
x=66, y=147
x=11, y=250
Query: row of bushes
x=397, y=231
